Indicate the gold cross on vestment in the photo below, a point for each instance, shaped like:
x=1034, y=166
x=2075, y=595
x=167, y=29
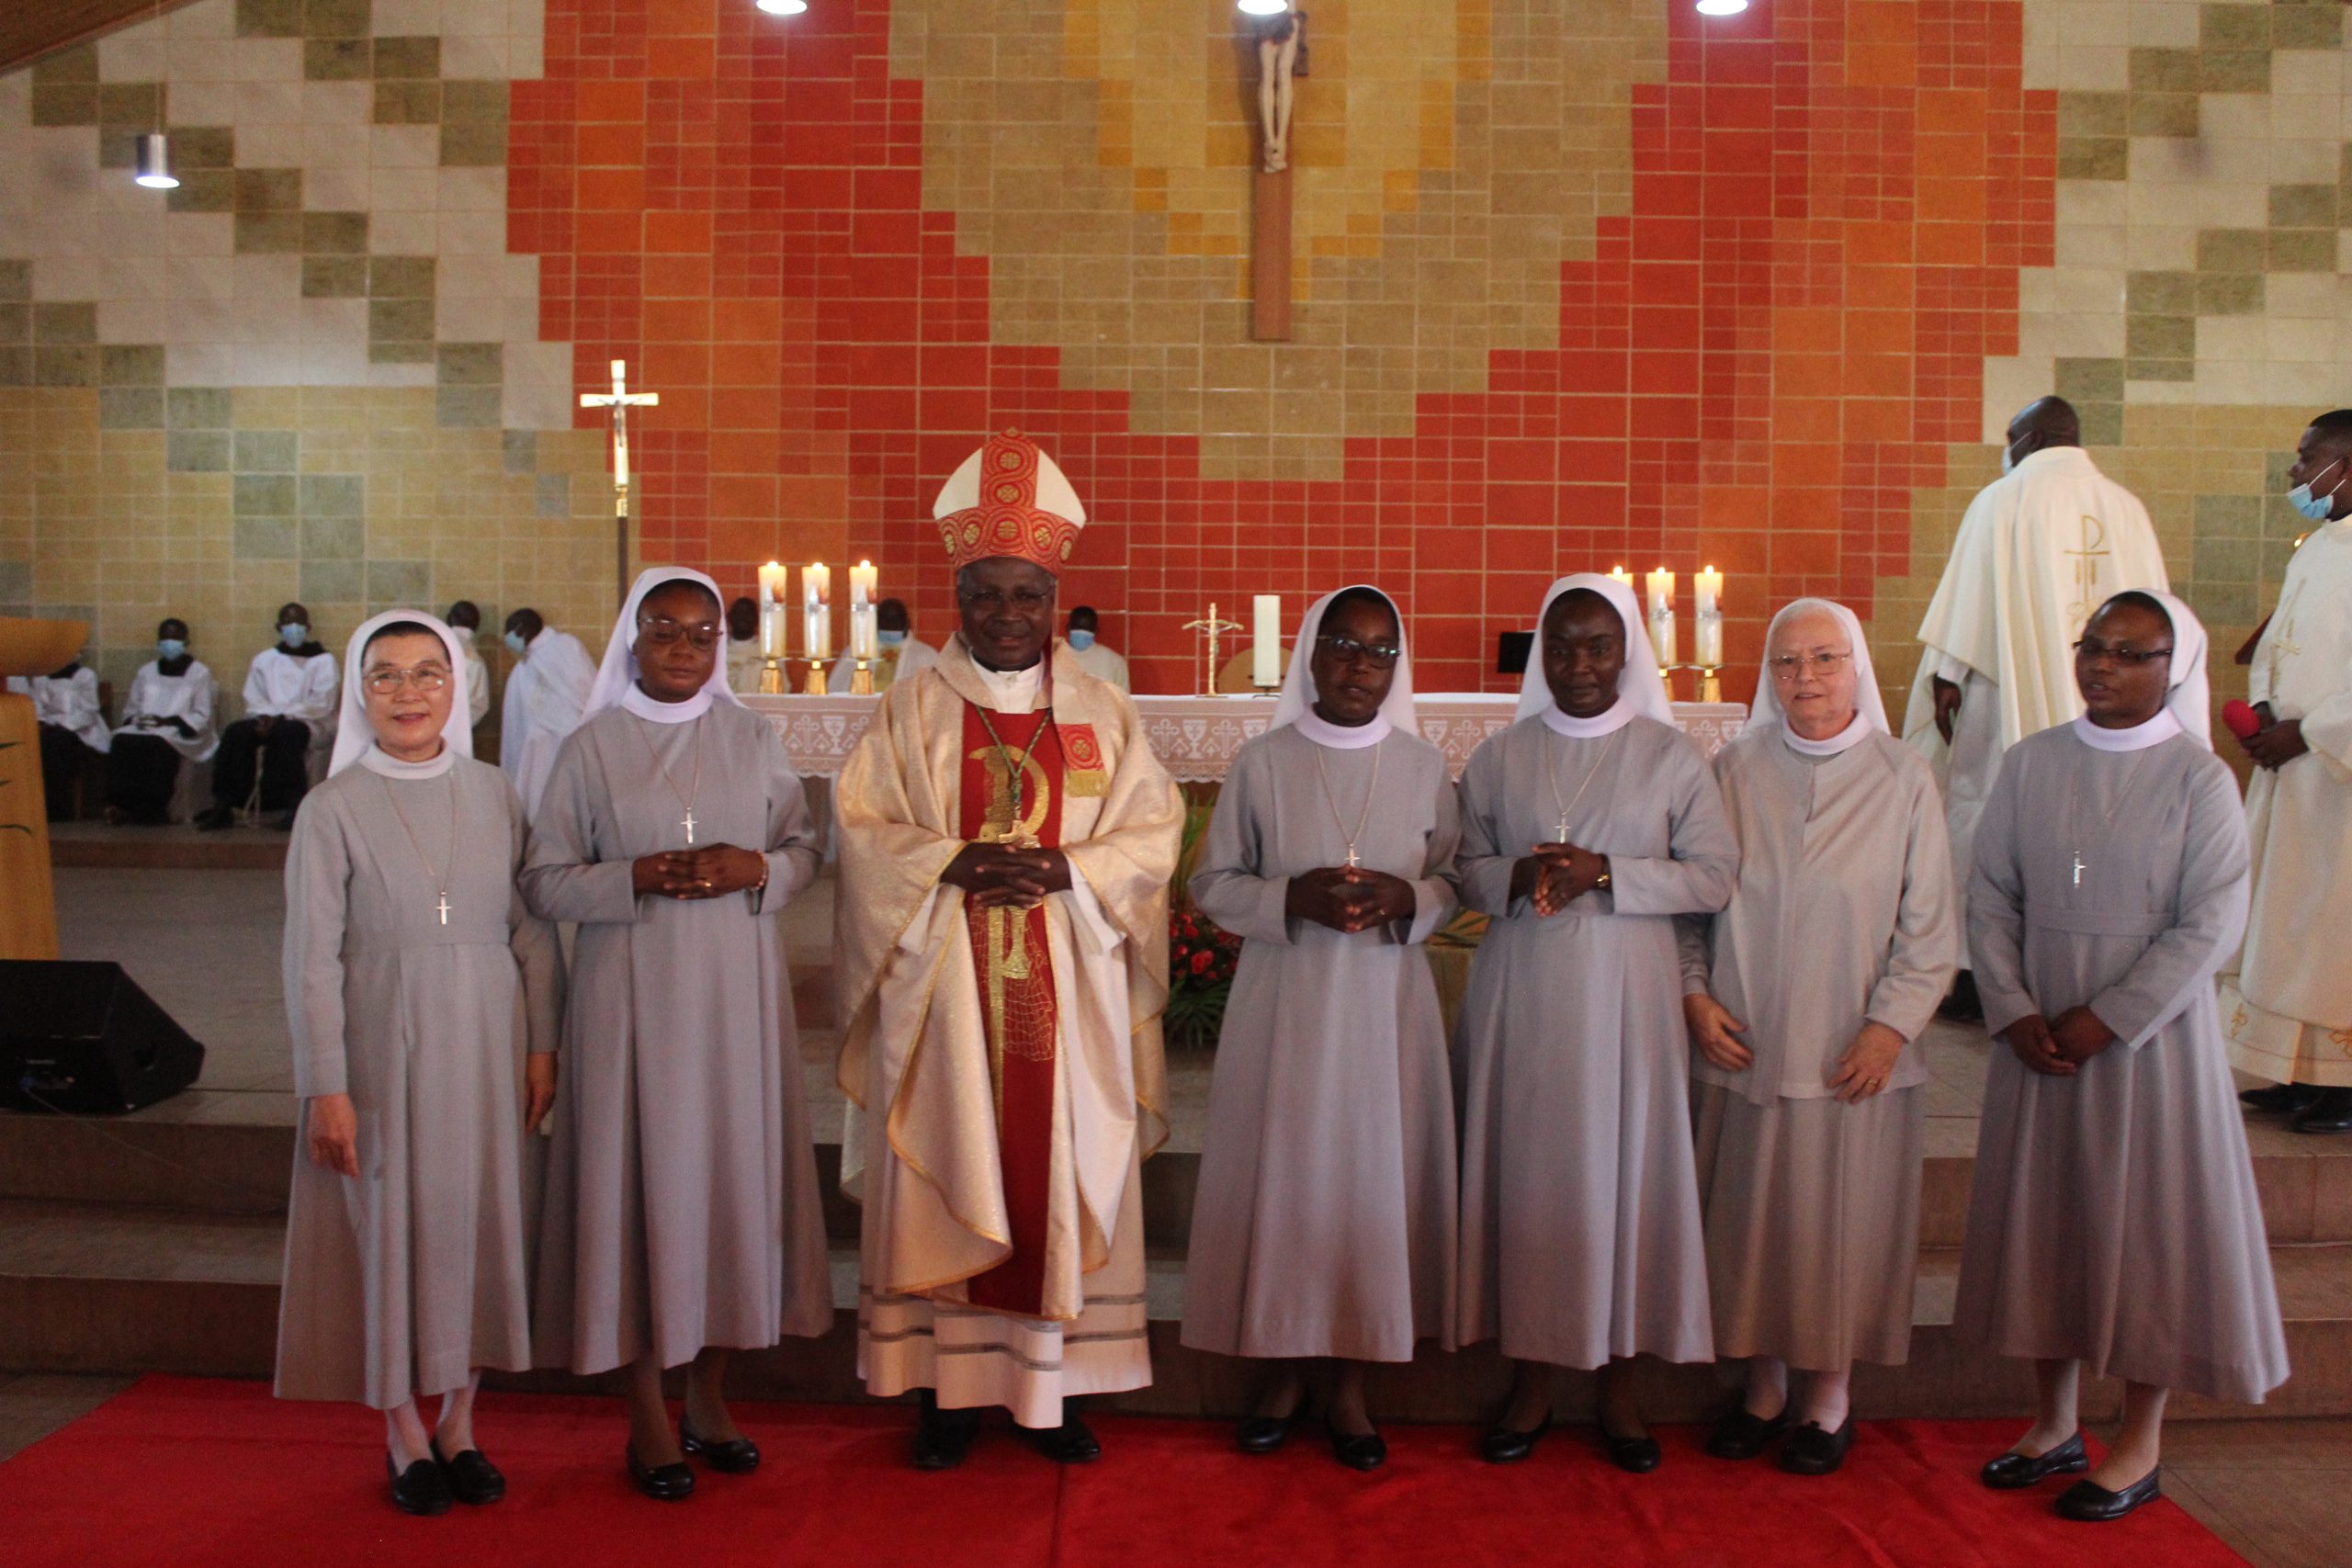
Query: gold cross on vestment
x=2282, y=642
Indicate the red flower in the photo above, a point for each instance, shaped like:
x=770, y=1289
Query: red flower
x=1201, y=962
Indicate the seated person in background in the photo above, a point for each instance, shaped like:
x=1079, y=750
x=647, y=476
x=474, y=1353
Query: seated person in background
x=743, y=645
x=902, y=652
x=290, y=691
x=1103, y=664
x=73, y=726
x=464, y=619
x=166, y=719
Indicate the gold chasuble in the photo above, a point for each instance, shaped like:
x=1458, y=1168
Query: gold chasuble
x=1003, y=1066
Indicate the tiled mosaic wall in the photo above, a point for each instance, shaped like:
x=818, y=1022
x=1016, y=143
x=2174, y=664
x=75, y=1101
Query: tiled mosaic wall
x=1580, y=282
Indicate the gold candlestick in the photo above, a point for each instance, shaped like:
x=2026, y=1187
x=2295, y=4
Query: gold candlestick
x=1216, y=628
x=815, y=685
x=861, y=679
x=771, y=676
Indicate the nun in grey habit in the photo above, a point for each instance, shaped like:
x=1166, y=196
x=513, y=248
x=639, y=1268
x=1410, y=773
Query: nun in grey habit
x=422, y=998
x=1587, y=826
x=2114, y=1222
x=1805, y=998
x=682, y=1211
x=1324, y=1224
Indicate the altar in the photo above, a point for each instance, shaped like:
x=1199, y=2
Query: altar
x=1197, y=737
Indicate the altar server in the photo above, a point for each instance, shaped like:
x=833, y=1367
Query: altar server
x=1096, y=657
x=290, y=705
x=72, y=728
x=2038, y=550
x=464, y=619
x=167, y=723
x=422, y=998
x=682, y=1213
x=547, y=695
x=2287, y=998
x=1324, y=1224
x=1805, y=998
x=1586, y=827
x=1007, y=839
x=2114, y=1221
x=902, y=653
x=744, y=661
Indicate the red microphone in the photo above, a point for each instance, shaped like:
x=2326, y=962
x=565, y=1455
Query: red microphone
x=2243, y=721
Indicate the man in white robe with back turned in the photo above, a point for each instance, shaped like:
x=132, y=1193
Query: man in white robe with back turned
x=1007, y=839
x=2287, y=997
x=545, y=697
x=2039, y=550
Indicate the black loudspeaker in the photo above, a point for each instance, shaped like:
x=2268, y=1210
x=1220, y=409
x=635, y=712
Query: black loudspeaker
x=84, y=1038
x=1512, y=650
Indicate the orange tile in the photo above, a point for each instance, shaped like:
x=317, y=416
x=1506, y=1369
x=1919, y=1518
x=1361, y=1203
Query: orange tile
x=681, y=276
x=604, y=232
x=611, y=190
x=677, y=365
x=676, y=231
x=1879, y=375
x=681, y=59
x=1879, y=332
x=743, y=539
x=614, y=144
x=736, y=408
x=1879, y=419
x=747, y=321
x=746, y=451
x=1806, y=329
x=1804, y=375
x=746, y=365
x=1806, y=419
x=743, y=496
x=599, y=100
x=676, y=321
x=1951, y=244
x=1951, y=201
x=1882, y=65
x=1804, y=463
x=1878, y=239
x=1952, y=110
x=680, y=18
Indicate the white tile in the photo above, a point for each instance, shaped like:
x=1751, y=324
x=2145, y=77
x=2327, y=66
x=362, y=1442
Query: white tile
x=473, y=190
x=400, y=374
x=2079, y=337
x=470, y=278
x=2089, y=290
x=467, y=59
x=2009, y=385
x=196, y=321
x=336, y=191
x=2037, y=291
x=270, y=103
x=2232, y=338
x=522, y=320
x=402, y=233
x=201, y=234
x=2163, y=24
x=331, y=146
x=134, y=54
x=204, y=59
x=206, y=19
x=189, y=280
x=2088, y=244
x=527, y=58
x=2160, y=391
x=2300, y=296
x=2290, y=382
x=133, y=320
x=475, y=233
x=336, y=364
x=15, y=98
x=141, y=273
x=271, y=146
x=2303, y=160
x=198, y=364
x=2092, y=69
x=531, y=405
x=2312, y=72
x=271, y=364
x=474, y=18
x=405, y=146
x=203, y=103
x=337, y=103
x=2300, y=342
x=527, y=18
x=2160, y=248
x=404, y=190
x=268, y=60
x=334, y=320
x=460, y=320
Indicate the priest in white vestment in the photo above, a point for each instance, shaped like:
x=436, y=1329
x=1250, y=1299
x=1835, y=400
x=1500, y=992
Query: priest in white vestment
x=2286, y=999
x=902, y=653
x=1007, y=839
x=545, y=697
x=2039, y=550
x=464, y=619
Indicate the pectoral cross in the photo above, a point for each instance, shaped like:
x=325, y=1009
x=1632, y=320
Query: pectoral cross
x=2086, y=567
x=2078, y=868
x=688, y=824
x=444, y=907
x=1560, y=835
x=618, y=401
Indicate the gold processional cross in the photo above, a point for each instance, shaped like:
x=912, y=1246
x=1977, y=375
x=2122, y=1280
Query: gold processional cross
x=618, y=401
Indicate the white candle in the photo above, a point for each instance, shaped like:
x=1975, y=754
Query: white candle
x=772, y=623
x=1710, y=587
x=1661, y=586
x=816, y=619
x=772, y=576
x=1618, y=574
x=863, y=621
x=1266, y=640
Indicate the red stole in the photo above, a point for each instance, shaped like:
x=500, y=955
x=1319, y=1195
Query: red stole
x=1016, y=978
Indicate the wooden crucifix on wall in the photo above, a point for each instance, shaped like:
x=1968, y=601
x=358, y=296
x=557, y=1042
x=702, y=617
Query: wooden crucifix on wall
x=1281, y=60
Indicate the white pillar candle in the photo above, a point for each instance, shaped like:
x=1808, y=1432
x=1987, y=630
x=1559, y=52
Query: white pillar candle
x=1661, y=587
x=1266, y=640
x=863, y=620
x=816, y=618
x=1709, y=585
x=1618, y=574
x=772, y=576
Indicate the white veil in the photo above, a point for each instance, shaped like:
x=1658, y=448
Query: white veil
x=1298, y=685
x=1868, y=703
x=618, y=672
x=2191, y=695
x=1640, y=688
x=354, y=735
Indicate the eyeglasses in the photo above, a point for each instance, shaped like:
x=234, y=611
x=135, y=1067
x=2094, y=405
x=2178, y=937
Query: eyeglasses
x=663, y=632
x=991, y=600
x=1347, y=650
x=424, y=678
x=1788, y=666
x=2090, y=650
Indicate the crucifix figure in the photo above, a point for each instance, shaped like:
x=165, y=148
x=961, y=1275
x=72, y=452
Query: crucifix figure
x=1280, y=39
x=1216, y=628
x=619, y=400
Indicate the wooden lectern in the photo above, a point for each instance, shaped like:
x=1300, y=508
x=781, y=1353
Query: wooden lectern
x=27, y=899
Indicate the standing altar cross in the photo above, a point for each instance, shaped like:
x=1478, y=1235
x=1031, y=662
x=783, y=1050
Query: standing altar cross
x=618, y=401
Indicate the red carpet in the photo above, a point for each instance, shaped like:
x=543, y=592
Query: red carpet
x=187, y=1472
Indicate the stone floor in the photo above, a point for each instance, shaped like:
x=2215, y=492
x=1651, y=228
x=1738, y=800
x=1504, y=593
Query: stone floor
x=2274, y=1490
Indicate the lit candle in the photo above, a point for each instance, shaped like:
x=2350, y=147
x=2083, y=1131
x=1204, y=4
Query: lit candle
x=1709, y=588
x=1661, y=586
x=771, y=585
x=816, y=619
x=772, y=579
x=1266, y=640
x=863, y=621
x=1618, y=574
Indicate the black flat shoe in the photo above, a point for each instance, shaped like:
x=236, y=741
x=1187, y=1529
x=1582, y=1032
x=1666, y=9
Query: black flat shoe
x=1635, y=1456
x=943, y=1437
x=2330, y=1111
x=662, y=1483
x=2015, y=1472
x=1265, y=1434
x=2279, y=1099
x=1812, y=1451
x=2097, y=1506
x=1964, y=1005
x=472, y=1479
x=1503, y=1445
x=1357, y=1450
x=1742, y=1436
x=740, y=1457
x=1073, y=1443
x=420, y=1489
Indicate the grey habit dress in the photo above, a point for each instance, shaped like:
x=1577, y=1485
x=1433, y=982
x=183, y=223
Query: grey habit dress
x=1324, y=1224
x=1844, y=913
x=2114, y=1218
x=1581, y=1237
x=681, y=1208
x=403, y=1281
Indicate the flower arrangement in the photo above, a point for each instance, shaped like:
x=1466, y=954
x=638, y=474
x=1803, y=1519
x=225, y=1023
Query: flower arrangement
x=1202, y=958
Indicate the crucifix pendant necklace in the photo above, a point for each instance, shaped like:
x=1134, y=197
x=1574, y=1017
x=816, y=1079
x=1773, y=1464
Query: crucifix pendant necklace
x=440, y=879
x=1372, y=791
x=2082, y=839
x=1552, y=773
x=685, y=797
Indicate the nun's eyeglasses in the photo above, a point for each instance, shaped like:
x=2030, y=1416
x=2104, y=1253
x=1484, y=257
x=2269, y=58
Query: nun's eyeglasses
x=385, y=683
x=1788, y=666
x=1347, y=650
x=663, y=632
x=2090, y=650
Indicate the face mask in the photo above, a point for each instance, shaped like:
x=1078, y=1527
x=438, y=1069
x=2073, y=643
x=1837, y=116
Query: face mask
x=169, y=648
x=515, y=641
x=891, y=640
x=294, y=634
x=2317, y=508
x=1081, y=641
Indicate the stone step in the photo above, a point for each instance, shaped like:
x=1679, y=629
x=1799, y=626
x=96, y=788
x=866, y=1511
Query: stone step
x=94, y=844
x=107, y=1288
